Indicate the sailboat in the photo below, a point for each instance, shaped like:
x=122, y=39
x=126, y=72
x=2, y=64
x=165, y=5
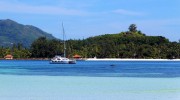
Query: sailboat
x=62, y=60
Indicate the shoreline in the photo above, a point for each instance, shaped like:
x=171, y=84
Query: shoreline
x=128, y=59
x=99, y=59
x=26, y=59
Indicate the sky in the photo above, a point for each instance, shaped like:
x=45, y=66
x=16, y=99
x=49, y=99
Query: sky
x=87, y=18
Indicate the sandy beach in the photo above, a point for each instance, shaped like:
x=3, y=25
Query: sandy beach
x=87, y=88
x=128, y=59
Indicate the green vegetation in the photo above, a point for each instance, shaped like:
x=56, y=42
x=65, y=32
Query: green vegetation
x=130, y=44
x=44, y=48
x=18, y=51
x=13, y=32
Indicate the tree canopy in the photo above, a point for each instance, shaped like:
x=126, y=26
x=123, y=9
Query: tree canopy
x=132, y=28
x=130, y=44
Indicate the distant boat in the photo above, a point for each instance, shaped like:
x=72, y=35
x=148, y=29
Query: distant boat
x=62, y=60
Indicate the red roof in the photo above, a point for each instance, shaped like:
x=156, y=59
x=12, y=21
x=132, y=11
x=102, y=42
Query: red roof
x=8, y=56
x=76, y=56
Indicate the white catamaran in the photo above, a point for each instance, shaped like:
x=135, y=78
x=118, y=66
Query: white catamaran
x=62, y=60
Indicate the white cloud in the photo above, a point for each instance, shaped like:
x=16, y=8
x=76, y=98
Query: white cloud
x=126, y=12
x=29, y=9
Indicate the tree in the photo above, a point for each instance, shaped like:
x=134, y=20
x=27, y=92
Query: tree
x=133, y=28
x=39, y=47
x=44, y=48
x=123, y=45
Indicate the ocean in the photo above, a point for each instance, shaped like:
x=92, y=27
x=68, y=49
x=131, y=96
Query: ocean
x=153, y=69
x=89, y=80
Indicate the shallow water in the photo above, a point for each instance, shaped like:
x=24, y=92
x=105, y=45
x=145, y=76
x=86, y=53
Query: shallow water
x=14, y=87
x=39, y=80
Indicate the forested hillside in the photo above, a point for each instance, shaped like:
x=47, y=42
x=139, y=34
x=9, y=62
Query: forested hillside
x=130, y=44
x=12, y=32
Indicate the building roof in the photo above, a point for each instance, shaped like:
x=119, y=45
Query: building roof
x=8, y=56
x=76, y=56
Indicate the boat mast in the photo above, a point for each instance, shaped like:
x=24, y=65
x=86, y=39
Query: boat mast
x=64, y=40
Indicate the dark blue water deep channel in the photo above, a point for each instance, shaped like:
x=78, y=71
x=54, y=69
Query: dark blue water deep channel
x=92, y=68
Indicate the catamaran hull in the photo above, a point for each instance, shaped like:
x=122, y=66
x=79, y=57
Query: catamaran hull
x=63, y=62
x=59, y=62
x=72, y=62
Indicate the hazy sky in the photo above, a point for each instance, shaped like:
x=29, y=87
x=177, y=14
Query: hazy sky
x=85, y=18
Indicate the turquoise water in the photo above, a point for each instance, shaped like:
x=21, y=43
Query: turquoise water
x=13, y=87
x=39, y=80
x=91, y=68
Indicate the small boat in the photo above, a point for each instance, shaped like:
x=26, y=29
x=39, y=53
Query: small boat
x=62, y=60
